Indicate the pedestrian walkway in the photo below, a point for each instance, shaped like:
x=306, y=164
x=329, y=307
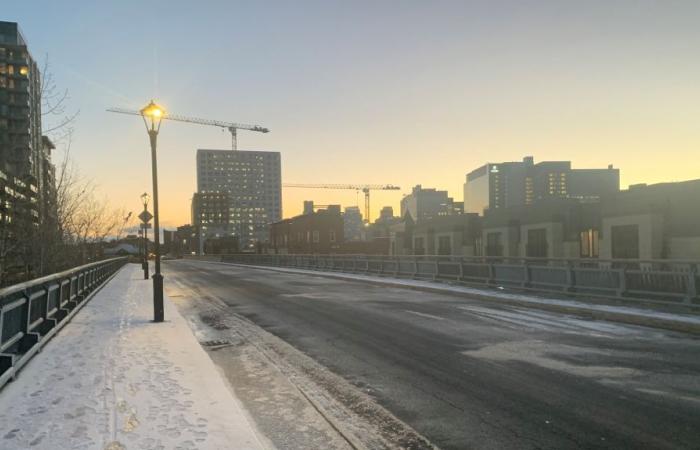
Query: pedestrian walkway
x=113, y=380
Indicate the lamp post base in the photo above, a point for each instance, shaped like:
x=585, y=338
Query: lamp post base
x=158, y=314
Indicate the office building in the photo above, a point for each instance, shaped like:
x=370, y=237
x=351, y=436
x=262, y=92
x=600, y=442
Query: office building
x=252, y=182
x=427, y=203
x=185, y=241
x=352, y=223
x=508, y=184
x=210, y=213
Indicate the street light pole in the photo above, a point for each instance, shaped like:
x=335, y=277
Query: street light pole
x=145, y=251
x=157, y=276
x=152, y=115
x=144, y=230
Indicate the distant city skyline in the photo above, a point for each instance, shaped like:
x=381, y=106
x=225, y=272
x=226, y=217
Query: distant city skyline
x=420, y=94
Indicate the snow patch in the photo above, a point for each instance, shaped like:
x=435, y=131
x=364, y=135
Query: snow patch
x=112, y=379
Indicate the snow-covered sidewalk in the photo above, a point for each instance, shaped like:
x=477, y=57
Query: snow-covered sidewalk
x=112, y=379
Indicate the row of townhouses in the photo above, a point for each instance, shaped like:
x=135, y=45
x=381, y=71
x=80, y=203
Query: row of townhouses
x=515, y=209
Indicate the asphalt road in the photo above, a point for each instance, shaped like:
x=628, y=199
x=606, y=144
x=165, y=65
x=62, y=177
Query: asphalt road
x=467, y=373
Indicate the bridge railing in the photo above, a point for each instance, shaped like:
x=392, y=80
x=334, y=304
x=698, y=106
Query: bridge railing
x=664, y=281
x=32, y=312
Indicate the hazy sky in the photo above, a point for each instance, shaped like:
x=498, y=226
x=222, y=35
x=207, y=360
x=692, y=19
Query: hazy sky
x=400, y=92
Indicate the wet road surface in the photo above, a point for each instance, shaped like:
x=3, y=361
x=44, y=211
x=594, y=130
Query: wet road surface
x=469, y=373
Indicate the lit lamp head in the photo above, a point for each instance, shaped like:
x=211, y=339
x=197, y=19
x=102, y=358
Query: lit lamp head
x=152, y=115
x=145, y=199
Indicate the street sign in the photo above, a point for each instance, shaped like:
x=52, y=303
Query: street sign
x=145, y=226
x=145, y=216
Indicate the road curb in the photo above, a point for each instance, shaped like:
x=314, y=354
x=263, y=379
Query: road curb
x=588, y=313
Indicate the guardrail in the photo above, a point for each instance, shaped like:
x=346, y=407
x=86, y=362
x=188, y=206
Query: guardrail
x=32, y=312
x=657, y=281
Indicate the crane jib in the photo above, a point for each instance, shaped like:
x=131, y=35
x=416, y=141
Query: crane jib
x=230, y=126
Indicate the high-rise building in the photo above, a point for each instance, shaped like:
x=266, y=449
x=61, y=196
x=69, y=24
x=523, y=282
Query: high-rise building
x=210, y=214
x=253, y=182
x=22, y=153
x=427, y=203
x=507, y=184
x=20, y=106
x=352, y=223
x=28, y=213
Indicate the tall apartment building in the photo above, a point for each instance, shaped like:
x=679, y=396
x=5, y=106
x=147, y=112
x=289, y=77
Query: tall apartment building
x=20, y=104
x=507, y=184
x=26, y=173
x=427, y=203
x=252, y=181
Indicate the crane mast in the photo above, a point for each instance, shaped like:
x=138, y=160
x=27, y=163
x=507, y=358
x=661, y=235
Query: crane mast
x=232, y=127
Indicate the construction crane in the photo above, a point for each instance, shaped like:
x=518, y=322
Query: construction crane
x=230, y=126
x=365, y=188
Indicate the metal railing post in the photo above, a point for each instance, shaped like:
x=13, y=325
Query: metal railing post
x=622, y=287
x=527, y=275
x=692, y=284
x=492, y=274
x=570, y=277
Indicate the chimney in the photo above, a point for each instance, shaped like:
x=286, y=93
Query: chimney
x=308, y=207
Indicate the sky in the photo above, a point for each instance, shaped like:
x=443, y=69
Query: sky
x=383, y=92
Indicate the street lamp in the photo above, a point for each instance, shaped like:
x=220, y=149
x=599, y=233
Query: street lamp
x=152, y=116
x=144, y=229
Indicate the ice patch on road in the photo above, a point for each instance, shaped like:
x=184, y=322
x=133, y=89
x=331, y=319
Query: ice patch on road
x=544, y=321
x=543, y=354
x=309, y=295
x=429, y=316
x=495, y=294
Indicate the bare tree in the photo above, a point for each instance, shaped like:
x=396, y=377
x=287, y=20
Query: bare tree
x=57, y=119
x=76, y=221
x=84, y=219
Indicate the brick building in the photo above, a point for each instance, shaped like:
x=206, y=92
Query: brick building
x=314, y=232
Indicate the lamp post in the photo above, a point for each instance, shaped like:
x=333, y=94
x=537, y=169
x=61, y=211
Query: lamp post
x=152, y=116
x=144, y=229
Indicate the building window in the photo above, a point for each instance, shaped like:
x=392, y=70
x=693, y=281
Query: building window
x=331, y=236
x=419, y=246
x=317, y=237
x=444, y=245
x=625, y=241
x=494, y=246
x=536, y=243
x=478, y=249
x=589, y=243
